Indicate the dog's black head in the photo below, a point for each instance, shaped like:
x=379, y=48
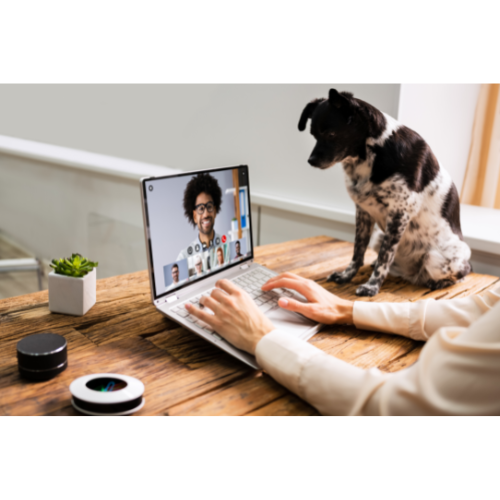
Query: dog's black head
x=339, y=126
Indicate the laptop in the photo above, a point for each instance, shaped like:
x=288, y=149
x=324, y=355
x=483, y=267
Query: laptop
x=198, y=229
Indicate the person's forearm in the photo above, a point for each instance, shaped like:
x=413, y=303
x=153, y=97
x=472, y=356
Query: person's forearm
x=327, y=383
x=346, y=310
x=387, y=317
x=457, y=374
x=419, y=320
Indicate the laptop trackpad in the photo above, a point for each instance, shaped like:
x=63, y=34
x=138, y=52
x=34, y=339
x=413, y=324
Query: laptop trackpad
x=290, y=321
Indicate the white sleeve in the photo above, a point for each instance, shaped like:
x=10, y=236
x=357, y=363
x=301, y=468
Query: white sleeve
x=329, y=384
x=419, y=320
x=458, y=373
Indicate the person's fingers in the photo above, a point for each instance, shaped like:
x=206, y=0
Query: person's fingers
x=200, y=314
x=228, y=286
x=299, y=286
x=269, y=285
x=284, y=275
x=220, y=297
x=295, y=306
x=210, y=303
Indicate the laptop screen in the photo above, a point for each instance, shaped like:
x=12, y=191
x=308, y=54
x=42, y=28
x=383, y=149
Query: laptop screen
x=198, y=225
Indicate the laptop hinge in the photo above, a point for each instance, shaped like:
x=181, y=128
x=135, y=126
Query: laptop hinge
x=170, y=299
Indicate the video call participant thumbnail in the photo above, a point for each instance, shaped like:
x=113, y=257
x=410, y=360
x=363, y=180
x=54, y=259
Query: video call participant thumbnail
x=220, y=261
x=202, y=202
x=238, y=249
x=197, y=265
x=175, y=274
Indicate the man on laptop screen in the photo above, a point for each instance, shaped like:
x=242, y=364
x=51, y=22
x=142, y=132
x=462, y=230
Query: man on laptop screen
x=202, y=202
x=191, y=218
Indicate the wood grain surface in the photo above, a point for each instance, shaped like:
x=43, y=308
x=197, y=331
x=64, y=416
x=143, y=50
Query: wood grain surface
x=183, y=374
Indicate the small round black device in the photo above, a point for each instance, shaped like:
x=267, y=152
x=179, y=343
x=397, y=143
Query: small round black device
x=42, y=356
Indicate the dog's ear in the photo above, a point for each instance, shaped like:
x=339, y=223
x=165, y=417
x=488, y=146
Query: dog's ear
x=344, y=102
x=307, y=113
x=337, y=100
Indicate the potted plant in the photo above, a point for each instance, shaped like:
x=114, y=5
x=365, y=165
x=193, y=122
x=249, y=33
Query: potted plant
x=234, y=224
x=72, y=285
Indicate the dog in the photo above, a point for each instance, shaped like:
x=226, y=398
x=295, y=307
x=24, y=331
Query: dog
x=395, y=181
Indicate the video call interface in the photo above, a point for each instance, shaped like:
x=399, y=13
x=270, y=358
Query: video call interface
x=193, y=225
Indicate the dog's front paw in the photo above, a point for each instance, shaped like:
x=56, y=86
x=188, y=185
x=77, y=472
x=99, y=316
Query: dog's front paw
x=439, y=285
x=367, y=290
x=340, y=278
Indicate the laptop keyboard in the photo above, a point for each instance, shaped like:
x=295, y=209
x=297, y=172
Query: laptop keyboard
x=251, y=282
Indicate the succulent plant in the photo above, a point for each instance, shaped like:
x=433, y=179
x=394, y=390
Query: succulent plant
x=76, y=266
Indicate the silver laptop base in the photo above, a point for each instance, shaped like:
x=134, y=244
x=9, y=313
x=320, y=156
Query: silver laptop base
x=296, y=324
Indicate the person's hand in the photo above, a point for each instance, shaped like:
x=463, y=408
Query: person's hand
x=235, y=316
x=322, y=306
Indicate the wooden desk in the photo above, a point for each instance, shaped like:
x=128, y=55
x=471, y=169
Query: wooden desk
x=184, y=374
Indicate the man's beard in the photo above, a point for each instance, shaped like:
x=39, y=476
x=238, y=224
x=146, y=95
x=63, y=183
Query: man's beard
x=206, y=230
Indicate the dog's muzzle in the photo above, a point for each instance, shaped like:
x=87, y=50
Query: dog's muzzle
x=314, y=161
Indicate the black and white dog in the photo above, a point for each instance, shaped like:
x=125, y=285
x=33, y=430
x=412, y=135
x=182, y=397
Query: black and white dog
x=395, y=181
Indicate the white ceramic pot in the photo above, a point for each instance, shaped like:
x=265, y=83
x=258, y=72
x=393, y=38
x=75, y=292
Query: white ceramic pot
x=74, y=296
x=234, y=225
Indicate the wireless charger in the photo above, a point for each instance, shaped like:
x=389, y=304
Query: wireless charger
x=107, y=394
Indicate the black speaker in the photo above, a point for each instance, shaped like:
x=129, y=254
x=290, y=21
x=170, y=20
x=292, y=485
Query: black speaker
x=42, y=356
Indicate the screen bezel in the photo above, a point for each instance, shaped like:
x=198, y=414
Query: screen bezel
x=148, y=232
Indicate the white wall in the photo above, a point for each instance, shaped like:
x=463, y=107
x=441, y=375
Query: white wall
x=443, y=115
x=54, y=210
x=191, y=126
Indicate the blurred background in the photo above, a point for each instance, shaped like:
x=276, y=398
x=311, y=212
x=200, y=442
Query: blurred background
x=71, y=157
